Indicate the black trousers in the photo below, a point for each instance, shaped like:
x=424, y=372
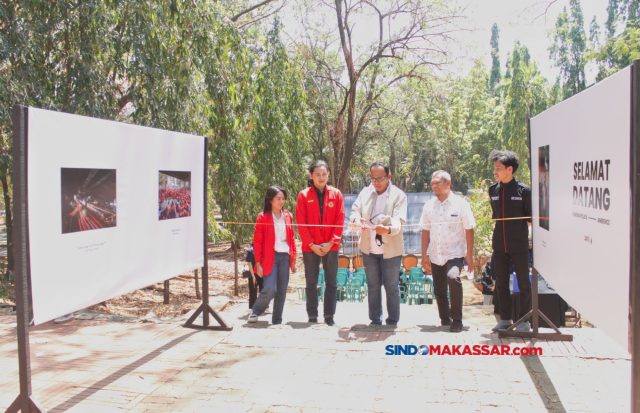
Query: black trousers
x=254, y=289
x=520, y=261
x=448, y=275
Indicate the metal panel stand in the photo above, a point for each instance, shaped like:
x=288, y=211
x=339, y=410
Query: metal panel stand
x=533, y=315
x=24, y=402
x=634, y=269
x=205, y=308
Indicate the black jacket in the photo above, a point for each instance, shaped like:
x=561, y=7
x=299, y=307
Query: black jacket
x=511, y=200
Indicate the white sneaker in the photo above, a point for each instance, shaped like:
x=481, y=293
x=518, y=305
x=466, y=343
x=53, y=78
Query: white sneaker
x=253, y=318
x=64, y=319
x=502, y=325
x=524, y=327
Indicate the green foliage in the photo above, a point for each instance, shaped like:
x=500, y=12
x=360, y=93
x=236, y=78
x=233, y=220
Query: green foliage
x=6, y=279
x=177, y=65
x=524, y=98
x=260, y=131
x=494, y=79
x=569, y=48
x=185, y=66
x=621, y=44
x=481, y=209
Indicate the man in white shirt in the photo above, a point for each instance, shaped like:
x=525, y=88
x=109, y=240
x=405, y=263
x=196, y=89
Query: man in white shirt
x=447, y=240
x=382, y=209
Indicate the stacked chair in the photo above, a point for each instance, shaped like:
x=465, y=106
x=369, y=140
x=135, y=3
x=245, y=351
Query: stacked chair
x=419, y=288
x=352, y=286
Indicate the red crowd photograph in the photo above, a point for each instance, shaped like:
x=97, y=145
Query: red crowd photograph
x=174, y=194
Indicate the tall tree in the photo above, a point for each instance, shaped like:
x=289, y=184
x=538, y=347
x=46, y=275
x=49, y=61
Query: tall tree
x=495, y=77
x=569, y=48
x=404, y=47
x=525, y=97
x=621, y=44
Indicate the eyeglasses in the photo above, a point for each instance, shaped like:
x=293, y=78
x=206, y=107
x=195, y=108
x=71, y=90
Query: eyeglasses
x=379, y=179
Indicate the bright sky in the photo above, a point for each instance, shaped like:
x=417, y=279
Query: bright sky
x=523, y=20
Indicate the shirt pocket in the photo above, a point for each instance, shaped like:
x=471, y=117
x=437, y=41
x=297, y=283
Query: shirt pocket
x=515, y=206
x=454, y=219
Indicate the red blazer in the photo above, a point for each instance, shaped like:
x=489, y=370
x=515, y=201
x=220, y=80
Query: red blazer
x=264, y=240
x=308, y=212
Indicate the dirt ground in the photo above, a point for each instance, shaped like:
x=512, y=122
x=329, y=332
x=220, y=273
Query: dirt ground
x=221, y=281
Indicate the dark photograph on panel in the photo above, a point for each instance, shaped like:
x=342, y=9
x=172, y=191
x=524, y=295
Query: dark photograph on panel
x=88, y=199
x=543, y=171
x=174, y=194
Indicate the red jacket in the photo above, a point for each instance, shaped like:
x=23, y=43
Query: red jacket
x=264, y=240
x=308, y=212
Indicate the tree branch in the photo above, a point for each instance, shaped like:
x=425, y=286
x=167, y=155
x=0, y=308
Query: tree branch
x=250, y=9
x=263, y=17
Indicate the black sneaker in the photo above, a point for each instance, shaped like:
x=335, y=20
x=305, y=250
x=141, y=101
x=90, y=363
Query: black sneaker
x=374, y=324
x=313, y=320
x=446, y=322
x=456, y=326
x=329, y=321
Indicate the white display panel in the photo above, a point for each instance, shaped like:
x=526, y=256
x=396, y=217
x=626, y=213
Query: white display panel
x=85, y=247
x=584, y=253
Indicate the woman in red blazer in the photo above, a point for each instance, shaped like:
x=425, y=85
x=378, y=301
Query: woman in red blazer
x=320, y=217
x=275, y=250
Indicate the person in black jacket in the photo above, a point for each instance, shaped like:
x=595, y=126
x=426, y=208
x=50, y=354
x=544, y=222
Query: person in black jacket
x=255, y=283
x=510, y=199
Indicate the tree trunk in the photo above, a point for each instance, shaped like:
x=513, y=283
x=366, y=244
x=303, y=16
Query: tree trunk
x=392, y=160
x=236, y=290
x=8, y=222
x=195, y=276
x=349, y=143
x=166, y=292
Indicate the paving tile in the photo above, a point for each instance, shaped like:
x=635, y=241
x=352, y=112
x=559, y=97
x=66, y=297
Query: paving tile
x=100, y=366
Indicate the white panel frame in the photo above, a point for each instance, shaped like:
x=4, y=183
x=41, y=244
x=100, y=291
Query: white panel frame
x=72, y=271
x=587, y=262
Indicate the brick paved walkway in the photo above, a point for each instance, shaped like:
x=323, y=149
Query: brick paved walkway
x=104, y=366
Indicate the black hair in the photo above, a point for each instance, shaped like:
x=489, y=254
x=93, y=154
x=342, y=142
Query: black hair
x=317, y=164
x=382, y=164
x=507, y=158
x=271, y=193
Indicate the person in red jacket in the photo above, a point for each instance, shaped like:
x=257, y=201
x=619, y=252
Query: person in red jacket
x=318, y=205
x=275, y=253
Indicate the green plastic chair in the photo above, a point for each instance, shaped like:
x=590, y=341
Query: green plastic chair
x=302, y=293
x=358, y=279
x=415, y=289
x=403, y=277
x=403, y=294
x=416, y=275
x=321, y=285
x=354, y=293
x=342, y=280
x=361, y=273
x=427, y=292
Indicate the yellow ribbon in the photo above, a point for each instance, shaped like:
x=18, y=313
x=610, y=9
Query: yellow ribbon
x=405, y=225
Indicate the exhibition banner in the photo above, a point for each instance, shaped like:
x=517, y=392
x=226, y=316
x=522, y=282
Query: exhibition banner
x=112, y=208
x=581, y=201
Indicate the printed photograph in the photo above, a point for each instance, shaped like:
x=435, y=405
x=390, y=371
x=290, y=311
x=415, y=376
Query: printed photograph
x=174, y=194
x=543, y=171
x=88, y=199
